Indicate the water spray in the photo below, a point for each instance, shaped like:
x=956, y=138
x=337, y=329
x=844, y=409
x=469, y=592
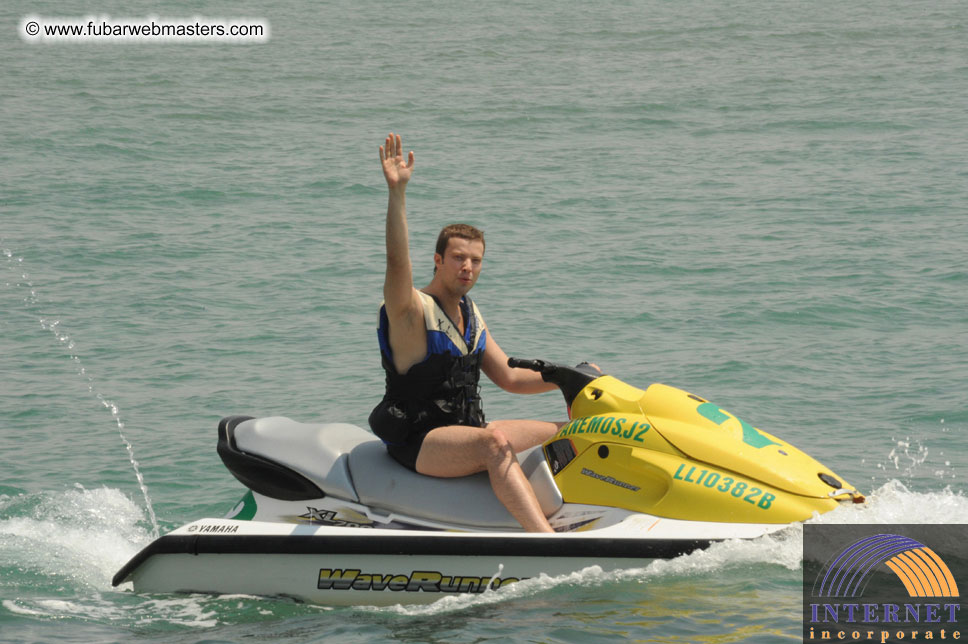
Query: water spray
x=15, y=263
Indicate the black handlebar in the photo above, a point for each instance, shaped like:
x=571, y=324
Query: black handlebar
x=534, y=365
x=571, y=380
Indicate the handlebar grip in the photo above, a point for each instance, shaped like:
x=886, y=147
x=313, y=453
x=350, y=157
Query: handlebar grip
x=533, y=365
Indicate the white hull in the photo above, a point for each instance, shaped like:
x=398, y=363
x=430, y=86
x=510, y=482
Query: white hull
x=359, y=566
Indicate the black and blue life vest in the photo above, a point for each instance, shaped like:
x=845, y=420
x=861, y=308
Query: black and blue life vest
x=442, y=389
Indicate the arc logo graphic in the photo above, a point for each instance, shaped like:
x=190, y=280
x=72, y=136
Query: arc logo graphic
x=883, y=583
x=920, y=569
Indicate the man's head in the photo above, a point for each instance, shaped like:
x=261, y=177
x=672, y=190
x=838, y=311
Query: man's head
x=459, y=253
x=461, y=231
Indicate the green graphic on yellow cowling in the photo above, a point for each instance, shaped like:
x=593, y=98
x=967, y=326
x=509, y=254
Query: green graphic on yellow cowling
x=751, y=436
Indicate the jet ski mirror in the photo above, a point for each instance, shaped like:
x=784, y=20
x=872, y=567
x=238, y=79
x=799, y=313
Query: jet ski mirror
x=571, y=380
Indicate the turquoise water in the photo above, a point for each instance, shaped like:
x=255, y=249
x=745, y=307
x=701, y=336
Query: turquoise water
x=762, y=203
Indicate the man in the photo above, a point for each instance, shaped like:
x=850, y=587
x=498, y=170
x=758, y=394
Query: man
x=434, y=344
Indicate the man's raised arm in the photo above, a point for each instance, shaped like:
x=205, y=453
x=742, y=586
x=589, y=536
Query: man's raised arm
x=398, y=292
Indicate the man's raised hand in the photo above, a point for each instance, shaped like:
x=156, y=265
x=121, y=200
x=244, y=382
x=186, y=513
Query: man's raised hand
x=397, y=172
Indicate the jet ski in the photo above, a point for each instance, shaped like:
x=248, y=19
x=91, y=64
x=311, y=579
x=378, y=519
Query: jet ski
x=634, y=475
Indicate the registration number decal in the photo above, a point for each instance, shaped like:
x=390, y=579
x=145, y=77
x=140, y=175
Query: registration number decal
x=725, y=484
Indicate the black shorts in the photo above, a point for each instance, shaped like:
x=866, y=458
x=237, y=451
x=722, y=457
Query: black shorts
x=403, y=426
x=406, y=453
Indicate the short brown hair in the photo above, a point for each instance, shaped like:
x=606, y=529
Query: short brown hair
x=463, y=231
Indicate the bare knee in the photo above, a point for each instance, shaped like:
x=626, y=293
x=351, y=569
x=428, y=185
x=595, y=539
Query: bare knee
x=496, y=444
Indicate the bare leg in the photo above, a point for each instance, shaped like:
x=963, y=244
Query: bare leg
x=459, y=451
x=525, y=433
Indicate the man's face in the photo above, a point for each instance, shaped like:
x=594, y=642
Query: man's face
x=461, y=264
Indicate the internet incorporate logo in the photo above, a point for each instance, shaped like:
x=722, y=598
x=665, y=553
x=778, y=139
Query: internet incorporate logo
x=922, y=572
x=881, y=586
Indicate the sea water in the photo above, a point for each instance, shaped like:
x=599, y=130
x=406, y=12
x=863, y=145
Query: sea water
x=761, y=203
